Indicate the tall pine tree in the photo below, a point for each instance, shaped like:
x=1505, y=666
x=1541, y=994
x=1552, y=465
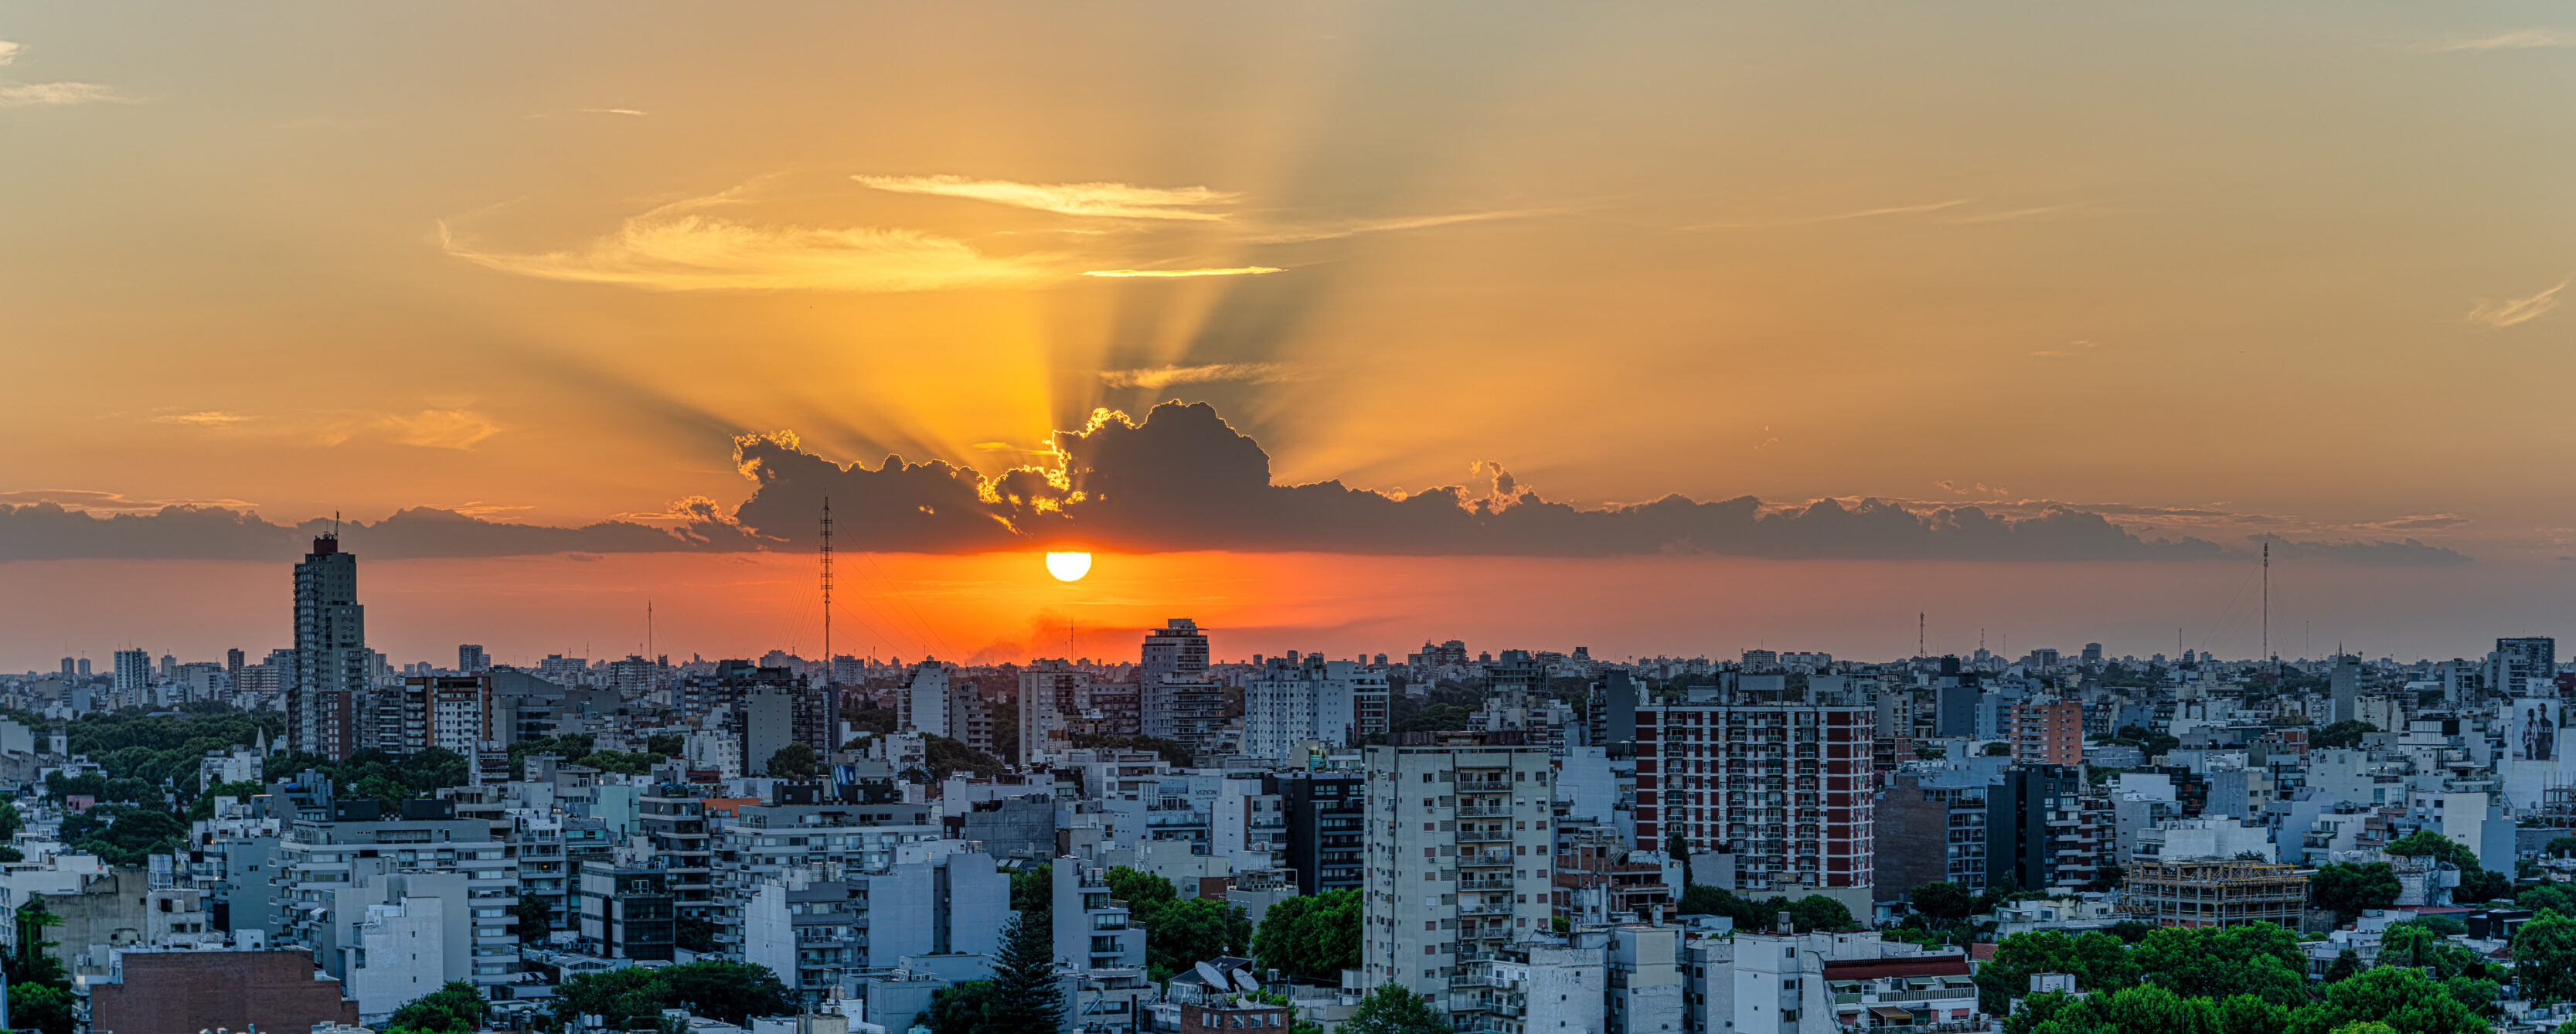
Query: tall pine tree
x=1025, y=994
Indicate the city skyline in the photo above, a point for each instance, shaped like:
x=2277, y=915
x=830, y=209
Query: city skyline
x=1753, y=259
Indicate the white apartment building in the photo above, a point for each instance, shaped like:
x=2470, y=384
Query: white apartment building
x=923, y=704
x=1458, y=856
x=1292, y=703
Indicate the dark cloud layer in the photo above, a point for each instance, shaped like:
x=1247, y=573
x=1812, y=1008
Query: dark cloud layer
x=1182, y=479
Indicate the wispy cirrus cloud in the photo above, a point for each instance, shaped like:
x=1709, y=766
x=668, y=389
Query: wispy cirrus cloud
x=630, y=112
x=87, y=500
x=201, y=418
x=1159, y=273
x=1112, y=200
x=457, y=429
x=1834, y=217
x=32, y=95
x=1355, y=227
x=9, y=51
x=2069, y=349
x=678, y=248
x=2011, y=214
x=1160, y=377
x=2516, y=39
x=2514, y=312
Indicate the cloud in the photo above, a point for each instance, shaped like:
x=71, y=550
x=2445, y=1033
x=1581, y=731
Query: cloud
x=1226, y=271
x=2017, y=213
x=1353, y=228
x=29, y=95
x=2513, y=312
x=93, y=501
x=204, y=418
x=674, y=248
x=2401, y=553
x=1865, y=213
x=1160, y=377
x=2071, y=348
x=443, y=428
x=9, y=51
x=1112, y=200
x=612, y=111
x=1180, y=479
x=2518, y=39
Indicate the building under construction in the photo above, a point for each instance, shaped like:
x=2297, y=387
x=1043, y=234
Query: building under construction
x=2215, y=892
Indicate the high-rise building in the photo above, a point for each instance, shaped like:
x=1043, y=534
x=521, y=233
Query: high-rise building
x=67, y=669
x=1787, y=788
x=1177, y=648
x=2048, y=732
x=1335, y=703
x=84, y=667
x=1054, y=696
x=2344, y=685
x=2516, y=663
x=1459, y=852
x=333, y=666
x=2092, y=653
x=133, y=671
x=923, y=704
x=449, y=712
x=471, y=660
x=233, y=659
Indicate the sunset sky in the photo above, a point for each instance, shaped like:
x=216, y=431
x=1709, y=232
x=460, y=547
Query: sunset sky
x=2136, y=282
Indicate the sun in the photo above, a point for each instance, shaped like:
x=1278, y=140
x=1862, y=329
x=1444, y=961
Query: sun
x=1068, y=567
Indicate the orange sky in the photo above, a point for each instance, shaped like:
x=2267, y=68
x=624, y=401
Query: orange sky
x=2297, y=266
x=1003, y=606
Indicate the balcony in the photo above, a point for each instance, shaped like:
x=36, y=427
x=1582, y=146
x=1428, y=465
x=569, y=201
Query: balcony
x=1471, y=836
x=1485, y=859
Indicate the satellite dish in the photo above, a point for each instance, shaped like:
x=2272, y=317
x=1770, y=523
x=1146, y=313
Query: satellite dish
x=1243, y=979
x=1215, y=980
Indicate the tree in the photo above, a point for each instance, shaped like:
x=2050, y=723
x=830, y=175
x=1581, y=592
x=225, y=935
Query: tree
x=1026, y=996
x=1943, y=902
x=44, y=1008
x=948, y=757
x=2259, y=959
x=1391, y=1009
x=695, y=933
x=1185, y=933
x=30, y=964
x=2098, y=961
x=455, y=1008
x=1996, y=750
x=2404, y=999
x=795, y=761
x=1677, y=848
x=2346, y=733
x=535, y=916
x=958, y=1009
x=1314, y=937
x=2349, y=890
x=1033, y=895
x=2548, y=897
x=1818, y=912
x=665, y=744
x=729, y=991
x=2544, y=957
x=622, y=997
x=2345, y=964
x=134, y=836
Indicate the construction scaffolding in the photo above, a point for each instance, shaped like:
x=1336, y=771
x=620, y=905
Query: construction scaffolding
x=2215, y=892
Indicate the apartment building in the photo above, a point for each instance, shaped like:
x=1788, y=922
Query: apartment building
x=1786, y=787
x=1458, y=855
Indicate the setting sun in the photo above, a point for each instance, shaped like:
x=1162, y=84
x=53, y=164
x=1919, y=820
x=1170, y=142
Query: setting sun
x=1068, y=567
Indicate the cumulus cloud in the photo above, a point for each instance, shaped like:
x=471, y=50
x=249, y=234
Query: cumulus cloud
x=678, y=248
x=1223, y=271
x=1183, y=479
x=9, y=51
x=29, y=95
x=2513, y=312
x=1113, y=200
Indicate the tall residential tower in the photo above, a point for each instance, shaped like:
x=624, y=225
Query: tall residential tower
x=326, y=704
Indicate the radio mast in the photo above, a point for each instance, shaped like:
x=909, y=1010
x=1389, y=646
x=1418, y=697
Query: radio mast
x=827, y=592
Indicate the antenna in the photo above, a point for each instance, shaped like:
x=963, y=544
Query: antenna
x=648, y=628
x=1918, y=633
x=2268, y=659
x=827, y=592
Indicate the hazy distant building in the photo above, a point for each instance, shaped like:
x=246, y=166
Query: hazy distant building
x=1334, y=703
x=133, y=671
x=2517, y=662
x=471, y=660
x=1179, y=701
x=333, y=667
